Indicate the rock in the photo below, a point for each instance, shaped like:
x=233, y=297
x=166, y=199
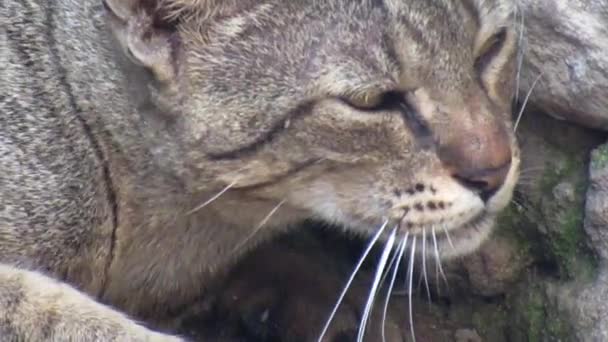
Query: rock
x=588, y=301
x=588, y=305
x=566, y=42
x=565, y=46
x=494, y=267
x=554, y=196
x=574, y=308
x=538, y=312
x=596, y=209
x=537, y=274
x=467, y=335
x=564, y=192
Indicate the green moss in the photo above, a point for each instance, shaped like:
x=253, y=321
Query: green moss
x=599, y=157
x=564, y=217
x=546, y=324
x=490, y=321
x=511, y=216
x=551, y=178
x=568, y=245
x=515, y=224
x=558, y=329
x=527, y=314
x=562, y=167
x=534, y=314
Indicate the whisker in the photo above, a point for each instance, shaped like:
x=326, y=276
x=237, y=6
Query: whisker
x=399, y=255
x=533, y=180
x=517, y=203
x=523, y=204
x=529, y=179
x=374, y=289
x=350, y=280
x=530, y=173
x=438, y=259
x=520, y=56
x=391, y=263
x=531, y=168
x=216, y=196
x=528, y=210
x=424, y=275
x=260, y=225
x=523, y=106
x=410, y=272
x=447, y=234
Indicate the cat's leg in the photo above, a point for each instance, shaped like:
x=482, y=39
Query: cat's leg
x=34, y=307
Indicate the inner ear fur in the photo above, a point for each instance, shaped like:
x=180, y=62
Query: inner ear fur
x=149, y=30
x=148, y=33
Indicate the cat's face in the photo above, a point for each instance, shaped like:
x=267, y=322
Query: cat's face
x=355, y=112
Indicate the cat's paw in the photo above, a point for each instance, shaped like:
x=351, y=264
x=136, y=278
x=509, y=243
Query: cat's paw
x=36, y=307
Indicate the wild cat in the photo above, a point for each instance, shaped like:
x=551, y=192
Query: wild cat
x=146, y=145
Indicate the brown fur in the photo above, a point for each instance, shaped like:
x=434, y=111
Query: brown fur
x=117, y=124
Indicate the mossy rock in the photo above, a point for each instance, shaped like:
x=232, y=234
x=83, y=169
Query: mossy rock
x=535, y=316
x=554, y=199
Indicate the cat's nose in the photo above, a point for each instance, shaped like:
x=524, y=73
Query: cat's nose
x=479, y=159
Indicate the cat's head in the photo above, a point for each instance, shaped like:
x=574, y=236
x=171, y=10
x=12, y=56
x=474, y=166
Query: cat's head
x=357, y=112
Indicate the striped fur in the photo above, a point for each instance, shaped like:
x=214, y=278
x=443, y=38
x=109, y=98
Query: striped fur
x=117, y=122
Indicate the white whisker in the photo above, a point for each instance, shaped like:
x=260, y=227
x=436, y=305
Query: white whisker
x=531, y=168
x=438, y=258
x=216, y=196
x=410, y=272
x=520, y=56
x=259, y=226
x=399, y=255
x=350, y=280
x=447, y=235
x=523, y=106
x=390, y=264
x=374, y=289
x=424, y=275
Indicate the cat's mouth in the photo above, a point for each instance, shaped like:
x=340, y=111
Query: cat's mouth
x=438, y=239
x=463, y=239
x=423, y=249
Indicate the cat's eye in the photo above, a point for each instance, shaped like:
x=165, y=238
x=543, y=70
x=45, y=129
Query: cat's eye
x=366, y=101
x=376, y=101
x=489, y=50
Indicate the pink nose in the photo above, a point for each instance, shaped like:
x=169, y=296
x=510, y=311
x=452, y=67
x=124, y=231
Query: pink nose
x=480, y=159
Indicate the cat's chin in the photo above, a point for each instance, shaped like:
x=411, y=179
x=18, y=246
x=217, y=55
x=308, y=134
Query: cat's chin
x=465, y=239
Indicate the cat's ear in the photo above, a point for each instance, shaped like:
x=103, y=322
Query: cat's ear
x=148, y=33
